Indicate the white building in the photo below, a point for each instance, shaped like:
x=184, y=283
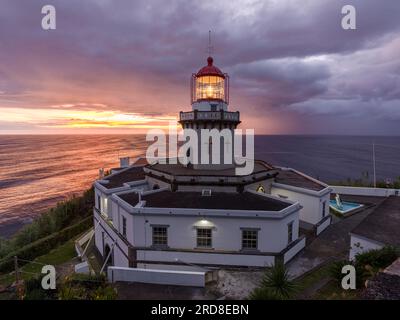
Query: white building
x=170, y=216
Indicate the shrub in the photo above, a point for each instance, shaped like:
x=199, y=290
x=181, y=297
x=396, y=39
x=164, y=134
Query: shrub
x=42, y=246
x=336, y=272
x=86, y=287
x=34, y=290
x=378, y=258
x=262, y=294
x=275, y=285
x=65, y=214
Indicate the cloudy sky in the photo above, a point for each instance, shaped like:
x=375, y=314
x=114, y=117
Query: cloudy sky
x=124, y=66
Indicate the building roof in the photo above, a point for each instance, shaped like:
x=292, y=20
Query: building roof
x=180, y=170
x=128, y=175
x=295, y=179
x=141, y=161
x=383, y=224
x=210, y=70
x=217, y=200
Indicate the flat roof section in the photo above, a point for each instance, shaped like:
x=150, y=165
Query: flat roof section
x=217, y=200
x=118, y=179
x=383, y=224
x=180, y=170
x=292, y=178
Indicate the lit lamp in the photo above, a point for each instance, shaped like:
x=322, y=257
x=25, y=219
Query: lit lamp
x=210, y=92
x=210, y=84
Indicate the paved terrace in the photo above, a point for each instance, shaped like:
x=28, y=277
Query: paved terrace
x=383, y=225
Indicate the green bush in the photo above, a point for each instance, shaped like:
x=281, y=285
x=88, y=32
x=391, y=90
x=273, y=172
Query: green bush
x=34, y=290
x=65, y=214
x=275, y=285
x=377, y=259
x=86, y=287
x=262, y=294
x=365, y=181
x=336, y=272
x=42, y=246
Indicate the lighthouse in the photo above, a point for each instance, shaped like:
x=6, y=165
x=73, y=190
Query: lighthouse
x=178, y=215
x=209, y=92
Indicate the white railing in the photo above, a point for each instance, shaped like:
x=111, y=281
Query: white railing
x=361, y=191
x=209, y=115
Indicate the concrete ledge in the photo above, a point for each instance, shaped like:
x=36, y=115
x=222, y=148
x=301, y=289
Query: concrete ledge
x=323, y=224
x=165, y=277
x=361, y=191
x=295, y=249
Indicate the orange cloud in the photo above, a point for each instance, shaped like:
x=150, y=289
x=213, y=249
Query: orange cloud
x=69, y=117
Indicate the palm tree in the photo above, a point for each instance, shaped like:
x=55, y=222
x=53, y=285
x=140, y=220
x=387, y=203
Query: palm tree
x=275, y=285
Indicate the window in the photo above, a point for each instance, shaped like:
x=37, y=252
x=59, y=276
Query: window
x=99, y=203
x=323, y=209
x=124, y=226
x=160, y=236
x=204, y=237
x=249, y=239
x=290, y=232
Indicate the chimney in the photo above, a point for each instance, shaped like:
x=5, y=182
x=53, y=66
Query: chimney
x=124, y=162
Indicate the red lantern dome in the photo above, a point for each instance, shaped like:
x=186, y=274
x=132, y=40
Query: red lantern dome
x=210, y=70
x=210, y=84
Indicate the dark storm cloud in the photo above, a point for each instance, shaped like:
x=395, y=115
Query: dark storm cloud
x=137, y=56
x=280, y=82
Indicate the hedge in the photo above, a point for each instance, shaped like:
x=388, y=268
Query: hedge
x=44, y=245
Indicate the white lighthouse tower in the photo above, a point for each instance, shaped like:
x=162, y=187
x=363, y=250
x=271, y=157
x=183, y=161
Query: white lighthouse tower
x=210, y=100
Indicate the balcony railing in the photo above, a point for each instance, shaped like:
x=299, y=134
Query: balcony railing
x=210, y=115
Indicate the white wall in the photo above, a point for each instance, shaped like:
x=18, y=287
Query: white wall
x=294, y=250
x=377, y=192
x=105, y=202
x=105, y=235
x=166, y=277
x=359, y=244
x=227, y=234
x=323, y=226
x=313, y=206
x=206, y=258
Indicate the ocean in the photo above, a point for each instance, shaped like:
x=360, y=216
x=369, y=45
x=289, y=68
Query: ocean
x=38, y=171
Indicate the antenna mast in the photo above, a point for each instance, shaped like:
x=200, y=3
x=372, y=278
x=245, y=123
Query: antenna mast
x=210, y=47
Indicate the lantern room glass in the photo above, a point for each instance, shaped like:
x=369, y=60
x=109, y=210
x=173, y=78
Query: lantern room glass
x=210, y=87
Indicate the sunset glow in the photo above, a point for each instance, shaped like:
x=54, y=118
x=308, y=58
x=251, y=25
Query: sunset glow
x=51, y=118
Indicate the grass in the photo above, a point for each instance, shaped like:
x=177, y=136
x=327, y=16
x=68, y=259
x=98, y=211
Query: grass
x=308, y=281
x=60, y=255
x=330, y=291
